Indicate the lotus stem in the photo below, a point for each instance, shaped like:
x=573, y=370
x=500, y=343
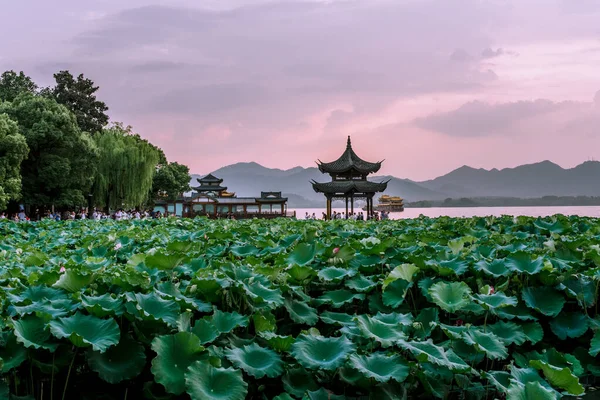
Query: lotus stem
x=126, y=390
x=69, y=375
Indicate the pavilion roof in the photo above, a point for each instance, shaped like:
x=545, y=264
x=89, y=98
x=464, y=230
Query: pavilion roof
x=348, y=161
x=210, y=188
x=350, y=186
x=210, y=179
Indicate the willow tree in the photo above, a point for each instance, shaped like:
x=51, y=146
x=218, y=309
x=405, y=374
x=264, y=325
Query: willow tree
x=125, y=169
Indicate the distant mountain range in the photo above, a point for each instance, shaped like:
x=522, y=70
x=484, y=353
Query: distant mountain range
x=525, y=181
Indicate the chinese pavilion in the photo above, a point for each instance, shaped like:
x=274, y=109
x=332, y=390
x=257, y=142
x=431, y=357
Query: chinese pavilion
x=349, y=180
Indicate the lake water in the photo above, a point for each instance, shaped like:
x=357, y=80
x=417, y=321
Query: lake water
x=583, y=211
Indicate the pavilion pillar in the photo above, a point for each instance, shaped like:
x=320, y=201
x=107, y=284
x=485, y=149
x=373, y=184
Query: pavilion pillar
x=346, y=206
x=282, y=209
x=328, y=208
x=352, y=203
x=259, y=208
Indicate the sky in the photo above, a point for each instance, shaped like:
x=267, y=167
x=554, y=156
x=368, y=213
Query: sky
x=427, y=85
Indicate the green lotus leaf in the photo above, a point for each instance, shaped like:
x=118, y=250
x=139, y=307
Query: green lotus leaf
x=301, y=312
x=175, y=353
x=283, y=396
x=385, y=334
x=394, y=293
x=301, y=274
x=205, y=330
x=318, y=352
x=121, y=362
x=380, y=367
x=521, y=376
x=45, y=309
x=454, y=332
x=181, y=246
x=571, y=325
x=559, y=377
x=33, y=332
x=533, y=331
x=334, y=318
x=429, y=352
x=335, y=274
x=322, y=394
x=496, y=300
x=394, y=319
x=85, y=330
x=450, y=296
x=361, y=284
x=404, y=271
x=500, y=380
x=243, y=250
x=544, y=300
x=337, y=298
x=226, y=322
x=487, y=342
x=153, y=306
x=209, y=289
x=277, y=342
x=303, y=254
x=297, y=381
x=449, y=267
x=205, y=382
x=12, y=354
x=531, y=391
x=508, y=332
x=553, y=226
x=170, y=290
x=162, y=261
x=257, y=291
x=520, y=312
x=496, y=268
x=582, y=288
x=522, y=262
x=256, y=361
x=73, y=281
x=104, y=305
x=595, y=344
x=423, y=322
x=264, y=322
x=37, y=293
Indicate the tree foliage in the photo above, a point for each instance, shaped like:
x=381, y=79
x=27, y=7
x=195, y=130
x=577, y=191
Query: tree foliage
x=79, y=96
x=13, y=150
x=62, y=159
x=125, y=169
x=171, y=180
x=13, y=84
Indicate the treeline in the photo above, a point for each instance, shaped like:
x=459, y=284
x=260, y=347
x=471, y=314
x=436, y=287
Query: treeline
x=546, y=201
x=58, y=147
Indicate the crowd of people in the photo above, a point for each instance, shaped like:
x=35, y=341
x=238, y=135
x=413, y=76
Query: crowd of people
x=83, y=214
x=360, y=216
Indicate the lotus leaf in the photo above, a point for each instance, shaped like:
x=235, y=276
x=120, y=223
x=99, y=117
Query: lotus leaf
x=256, y=361
x=559, y=377
x=500, y=379
x=301, y=312
x=531, y=391
x=85, y=330
x=318, y=352
x=259, y=292
x=123, y=361
x=12, y=353
x=243, y=250
x=174, y=354
x=385, y=334
x=153, y=306
x=302, y=254
x=322, y=394
x=264, y=322
x=571, y=325
x=496, y=268
x=508, y=332
x=334, y=318
x=496, y=300
x=205, y=330
x=205, y=382
x=427, y=351
x=277, y=342
x=450, y=296
x=226, y=322
x=297, y=381
x=73, y=281
x=394, y=293
x=487, y=342
x=337, y=298
x=162, y=261
x=521, y=262
x=335, y=274
x=380, y=367
x=361, y=284
x=544, y=300
x=33, y=332
x=102, y=306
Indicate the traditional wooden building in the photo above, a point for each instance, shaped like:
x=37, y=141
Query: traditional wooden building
x=211, y=199
x=349, y=180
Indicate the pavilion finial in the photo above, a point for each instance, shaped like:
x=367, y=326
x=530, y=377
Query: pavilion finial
x=349, y=144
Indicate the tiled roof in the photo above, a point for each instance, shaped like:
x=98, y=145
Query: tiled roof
x=348, y=161
x=347, y=187
x=210, y=178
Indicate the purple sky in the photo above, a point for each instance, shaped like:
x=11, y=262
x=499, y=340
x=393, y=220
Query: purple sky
x=428, y=85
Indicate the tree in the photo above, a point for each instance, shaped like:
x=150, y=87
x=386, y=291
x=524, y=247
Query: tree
x=125, y=168
x=62, y=159
x=13, y=84
x=13, y=150
x=171, y=180
x=79, y=96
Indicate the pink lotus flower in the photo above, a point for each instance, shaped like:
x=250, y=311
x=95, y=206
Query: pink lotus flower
x=118, y=245
x=335, y=251
x=62, y=269
x=459, y=322
x=205, y=237
x=492, y=290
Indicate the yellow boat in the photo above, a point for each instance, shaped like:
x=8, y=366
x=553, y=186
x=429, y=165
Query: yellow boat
x=389, y=203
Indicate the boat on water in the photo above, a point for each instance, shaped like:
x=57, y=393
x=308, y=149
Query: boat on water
x=389, y=204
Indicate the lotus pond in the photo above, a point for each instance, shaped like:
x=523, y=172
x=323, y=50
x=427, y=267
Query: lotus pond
x=475, y=308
